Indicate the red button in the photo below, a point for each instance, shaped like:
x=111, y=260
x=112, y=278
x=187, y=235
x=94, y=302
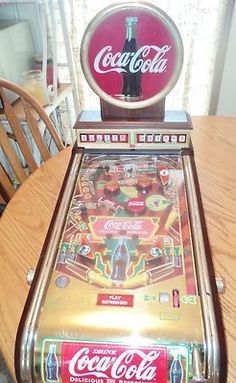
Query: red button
x=136, y=205
x=112, y=187
x=144, y=182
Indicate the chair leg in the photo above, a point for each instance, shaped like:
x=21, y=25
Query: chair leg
x=2, y=208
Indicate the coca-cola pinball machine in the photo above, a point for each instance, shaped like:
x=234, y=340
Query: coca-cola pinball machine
x=123, y=290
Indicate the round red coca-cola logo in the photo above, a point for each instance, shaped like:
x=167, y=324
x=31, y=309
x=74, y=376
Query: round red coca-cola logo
x=136, y=205
x=132, y=54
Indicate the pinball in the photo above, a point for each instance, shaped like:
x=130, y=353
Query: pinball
x=123, y=291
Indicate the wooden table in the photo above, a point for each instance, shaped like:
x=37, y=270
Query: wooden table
x=25, y=222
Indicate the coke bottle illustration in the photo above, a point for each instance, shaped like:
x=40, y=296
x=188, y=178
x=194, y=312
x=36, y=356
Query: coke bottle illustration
x=51, y=365
x=131, y=78
x=120, y=261
x=176, y=370
x=63, y=253
x=177, y=257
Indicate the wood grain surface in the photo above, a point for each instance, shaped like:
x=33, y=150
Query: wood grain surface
x=24, y=225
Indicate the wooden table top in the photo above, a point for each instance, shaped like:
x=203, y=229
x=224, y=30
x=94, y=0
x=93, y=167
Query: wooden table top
x=24, y=225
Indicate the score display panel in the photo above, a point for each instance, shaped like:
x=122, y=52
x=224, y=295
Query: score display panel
x=125, y=294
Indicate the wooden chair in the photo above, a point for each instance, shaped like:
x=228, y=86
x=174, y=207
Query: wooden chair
x=22, y=140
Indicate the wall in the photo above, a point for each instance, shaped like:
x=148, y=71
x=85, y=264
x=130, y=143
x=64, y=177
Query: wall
x=28, y=12
x=227, y=95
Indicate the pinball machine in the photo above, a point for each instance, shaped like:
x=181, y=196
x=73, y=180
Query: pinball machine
x=123, y=291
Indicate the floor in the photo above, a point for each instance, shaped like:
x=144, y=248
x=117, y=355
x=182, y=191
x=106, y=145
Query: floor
x=4, y=374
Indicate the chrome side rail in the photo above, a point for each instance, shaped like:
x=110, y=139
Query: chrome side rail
x=205, y=289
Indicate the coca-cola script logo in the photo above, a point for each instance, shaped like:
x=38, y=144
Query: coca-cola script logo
x=105, y=363
x=142, y=227
x=132, y=54
x=132, y=62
